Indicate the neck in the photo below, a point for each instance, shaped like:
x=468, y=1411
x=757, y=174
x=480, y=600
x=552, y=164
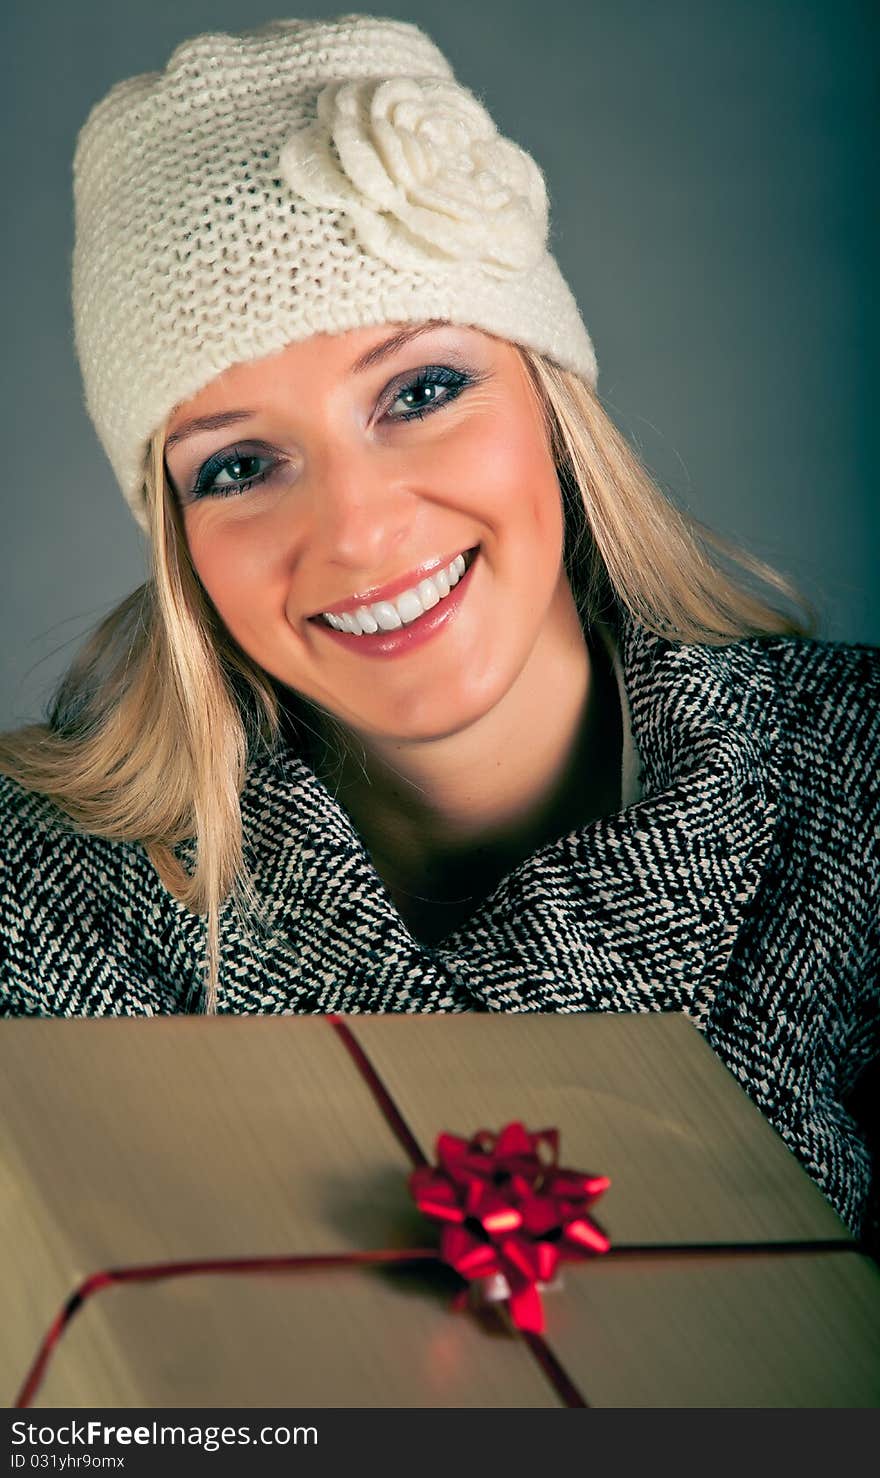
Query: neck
x=455, y=813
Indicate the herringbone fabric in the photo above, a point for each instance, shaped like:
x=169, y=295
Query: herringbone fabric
x=742, y=889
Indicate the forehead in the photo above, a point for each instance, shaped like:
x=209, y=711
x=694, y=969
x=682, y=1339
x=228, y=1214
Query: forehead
x=323, y=357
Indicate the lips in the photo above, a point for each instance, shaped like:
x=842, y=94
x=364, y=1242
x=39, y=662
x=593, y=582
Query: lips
x=375, y=593
x=408, y=635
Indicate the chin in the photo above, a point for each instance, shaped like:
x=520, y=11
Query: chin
x=439, y=717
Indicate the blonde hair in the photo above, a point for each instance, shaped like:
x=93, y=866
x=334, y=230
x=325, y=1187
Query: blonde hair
x=151, y=732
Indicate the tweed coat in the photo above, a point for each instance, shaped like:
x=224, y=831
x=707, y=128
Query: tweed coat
x=741, y=888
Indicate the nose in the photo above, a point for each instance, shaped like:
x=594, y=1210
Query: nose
x=363, y=508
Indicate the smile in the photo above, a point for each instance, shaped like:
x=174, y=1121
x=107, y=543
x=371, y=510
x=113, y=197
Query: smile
x=405, y=608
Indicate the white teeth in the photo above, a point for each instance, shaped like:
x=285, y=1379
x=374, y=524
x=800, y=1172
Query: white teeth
x=368, y=622
x=409, y=607
x=428, y=593
x=388, y=615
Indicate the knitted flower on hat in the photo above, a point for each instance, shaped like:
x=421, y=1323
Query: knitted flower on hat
x=421, y=171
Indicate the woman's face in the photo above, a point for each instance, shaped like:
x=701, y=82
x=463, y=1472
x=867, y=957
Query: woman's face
x=344, y=476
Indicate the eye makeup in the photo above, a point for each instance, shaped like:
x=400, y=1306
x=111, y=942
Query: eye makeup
x=427, y=381
x=422, y=393
x=225, y=461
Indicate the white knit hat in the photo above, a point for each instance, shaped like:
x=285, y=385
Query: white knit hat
x=304, y=177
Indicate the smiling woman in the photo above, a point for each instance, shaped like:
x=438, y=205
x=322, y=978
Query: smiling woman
x=432, y=701
x=389, y=546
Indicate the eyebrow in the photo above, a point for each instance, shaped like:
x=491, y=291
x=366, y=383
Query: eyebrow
x=391, y=345
x=373, y=356
x=206, y=423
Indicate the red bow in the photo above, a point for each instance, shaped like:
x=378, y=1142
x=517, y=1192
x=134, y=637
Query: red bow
x=507, y=1209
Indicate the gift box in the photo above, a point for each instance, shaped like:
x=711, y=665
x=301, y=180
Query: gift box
x=152, y=1148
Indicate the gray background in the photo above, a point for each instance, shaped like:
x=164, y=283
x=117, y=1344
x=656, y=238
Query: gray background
x=708, y=166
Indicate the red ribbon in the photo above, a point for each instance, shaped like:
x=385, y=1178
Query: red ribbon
x=508, y=1208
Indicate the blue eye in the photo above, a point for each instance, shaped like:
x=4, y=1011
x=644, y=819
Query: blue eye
x=241, y=467
x=431, y=388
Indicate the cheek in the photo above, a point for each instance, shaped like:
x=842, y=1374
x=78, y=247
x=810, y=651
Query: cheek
x=544, y=500
x=513, y=476
x=236, y=565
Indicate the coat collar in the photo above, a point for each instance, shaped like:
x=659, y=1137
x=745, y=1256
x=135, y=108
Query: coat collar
x=636, y=911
